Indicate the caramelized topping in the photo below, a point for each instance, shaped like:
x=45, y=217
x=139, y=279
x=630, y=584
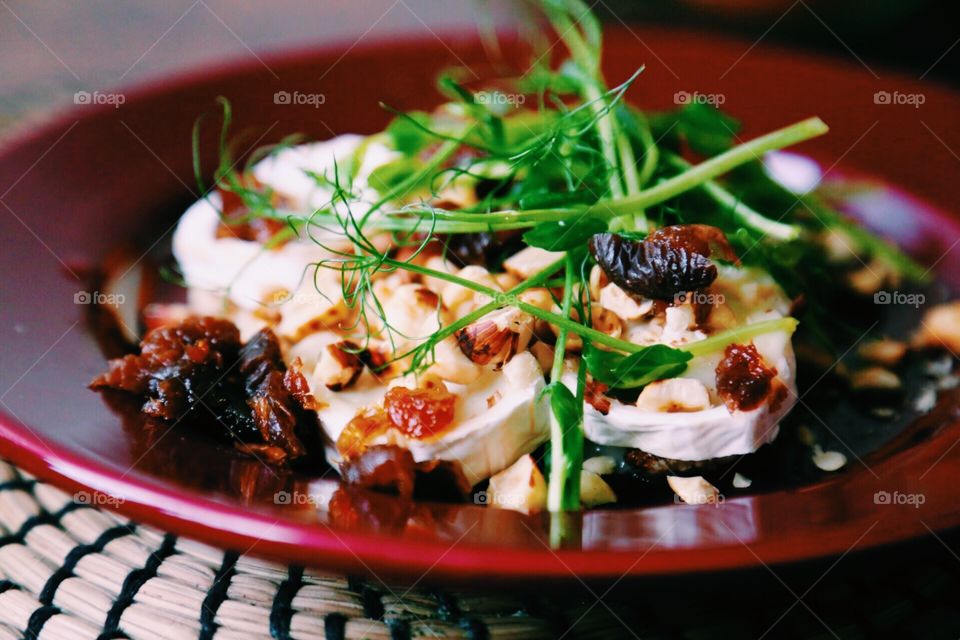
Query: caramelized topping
x=594, y=396
x=237, y=219
x=417, y=413
x=197, y=371
x=743, y=379
x=392, y=469
x=420, y=413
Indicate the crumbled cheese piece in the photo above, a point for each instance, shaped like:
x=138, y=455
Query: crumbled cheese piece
x=694, y=490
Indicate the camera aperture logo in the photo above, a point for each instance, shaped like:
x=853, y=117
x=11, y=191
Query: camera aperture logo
x=503, y=500
x=715, y=499
x=99, y=298
x=499, y=98
x=897, y=98
x=298, y=98
x=914, y=300
x=686, y=97
x=99, y=97
x=897, y=498
x=699, y=298
x=297, y=498
x=97, y=499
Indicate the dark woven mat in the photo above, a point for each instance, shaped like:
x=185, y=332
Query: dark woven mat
x=68, y=570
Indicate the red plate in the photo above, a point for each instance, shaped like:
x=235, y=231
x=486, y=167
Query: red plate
x=99, y=176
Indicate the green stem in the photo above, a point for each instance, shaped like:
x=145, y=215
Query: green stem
x=414, y=180
x=714, y=167
x=540, y=278
x=661, y=192
x=563, y=468
x=702, y=347
x=740, y=211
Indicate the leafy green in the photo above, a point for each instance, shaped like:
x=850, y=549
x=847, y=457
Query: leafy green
x=566, y=450
x=619, y=371
x=409, y=138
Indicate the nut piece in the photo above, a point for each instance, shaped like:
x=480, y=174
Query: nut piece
x=602, y=320
x=875, y=378
x=694, y=490
x=461, y=300
x=600, y=465
x=413, y=313
x=674, y=395
x=884, y=352
x=940, y=328
x=530, y=261
x=828, y=460
x=618, y=301
x=519, y=487
x=741, y=481
x=339, y=365
x=594, y=491
x=451, y=365
x=496, y=337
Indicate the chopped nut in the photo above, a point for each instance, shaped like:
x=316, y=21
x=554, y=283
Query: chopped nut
x=600, y=465
x=530, y=261
x=940, y=328
x=875, y=378
x=496, y=337
x=594, y=491
x=694, y=490
x=598, y=280
x=926, y=400
x=869, y=279
x=828, y=460
x=519, y=487
x=883, y=352
x=450, y=364
x=674, y=395
x=621, y=303
x=601, y=319
x=543, y=353
x=339, y=365
x=461, y=300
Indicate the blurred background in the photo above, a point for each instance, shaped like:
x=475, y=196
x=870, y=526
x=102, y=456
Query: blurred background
x=52, y=48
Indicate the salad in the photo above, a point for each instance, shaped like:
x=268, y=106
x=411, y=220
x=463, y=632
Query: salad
x=519, y=297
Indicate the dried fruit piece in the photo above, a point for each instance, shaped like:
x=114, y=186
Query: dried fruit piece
x=198, y=372
x=743, y=379
x=669, y=261
x=423, y=412
x=238, y=221
x=392, y=469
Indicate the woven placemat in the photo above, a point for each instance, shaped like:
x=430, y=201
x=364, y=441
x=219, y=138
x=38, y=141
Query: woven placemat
x=69, y=570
